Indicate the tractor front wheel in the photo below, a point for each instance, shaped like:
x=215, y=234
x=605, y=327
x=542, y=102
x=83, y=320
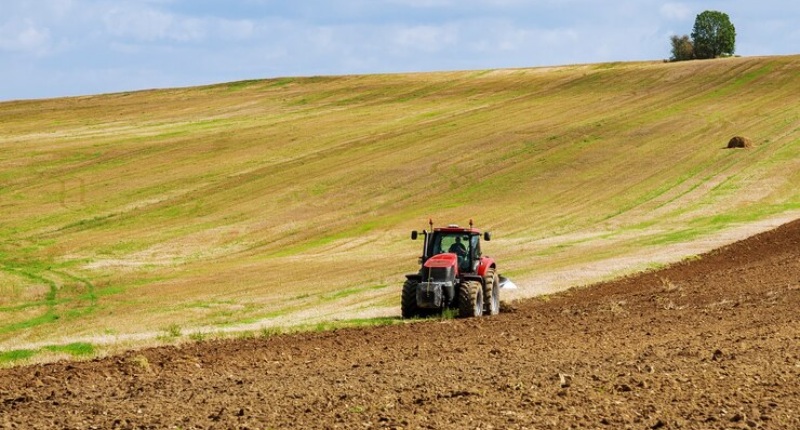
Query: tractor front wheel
x=408, y=302
x=470, y=299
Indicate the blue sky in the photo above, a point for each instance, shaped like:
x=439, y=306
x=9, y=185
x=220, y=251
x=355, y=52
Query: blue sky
x=52, y=48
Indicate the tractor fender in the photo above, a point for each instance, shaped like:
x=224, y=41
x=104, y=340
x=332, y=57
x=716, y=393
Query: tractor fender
x=471, y=277
x=414, y=277
x=486, y=264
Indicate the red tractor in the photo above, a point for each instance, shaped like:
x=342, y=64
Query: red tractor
x=454, y=274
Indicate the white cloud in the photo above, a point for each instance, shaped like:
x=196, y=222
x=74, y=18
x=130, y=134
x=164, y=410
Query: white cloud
x=676, y=11
x=151, y=25
x=25, y=37
x=426, y=38
x=422, y=3
x=61, y=8
x=503, y=37
x=465, y=3
x=236, y=30
x=147, y=25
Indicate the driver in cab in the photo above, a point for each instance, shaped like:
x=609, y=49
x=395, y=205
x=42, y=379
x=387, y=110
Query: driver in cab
x=458, y=248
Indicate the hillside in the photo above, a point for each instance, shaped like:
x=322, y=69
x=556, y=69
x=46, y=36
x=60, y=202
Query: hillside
x=271, y=202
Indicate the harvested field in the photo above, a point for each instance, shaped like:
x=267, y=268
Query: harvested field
x=710, y=343
x=215, y=209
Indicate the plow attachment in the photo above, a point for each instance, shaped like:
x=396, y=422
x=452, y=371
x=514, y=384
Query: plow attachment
x=507, y=284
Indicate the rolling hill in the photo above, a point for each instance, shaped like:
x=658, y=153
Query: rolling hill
x=281, y=201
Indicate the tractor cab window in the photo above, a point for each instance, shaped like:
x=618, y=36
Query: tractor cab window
x=475, y=245
x=458, y=244
x=463, y=245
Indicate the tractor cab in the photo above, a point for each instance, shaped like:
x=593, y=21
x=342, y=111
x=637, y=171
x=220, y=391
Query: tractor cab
x=464, y=243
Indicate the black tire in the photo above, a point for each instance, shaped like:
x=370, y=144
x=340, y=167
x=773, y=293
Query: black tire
x=470, y=299
x=408, y=302
x=491, y=293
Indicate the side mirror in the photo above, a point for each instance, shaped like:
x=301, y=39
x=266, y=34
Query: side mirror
x=487, y=236
x=414, y=235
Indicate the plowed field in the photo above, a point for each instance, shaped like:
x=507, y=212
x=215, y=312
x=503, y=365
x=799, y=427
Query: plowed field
x=709, y=343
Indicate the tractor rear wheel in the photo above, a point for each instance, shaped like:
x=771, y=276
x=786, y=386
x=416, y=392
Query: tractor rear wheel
x=470, y=299
x=491, y=293
x=408, y=302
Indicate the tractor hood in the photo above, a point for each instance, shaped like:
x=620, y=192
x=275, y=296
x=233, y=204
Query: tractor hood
x=442, y=261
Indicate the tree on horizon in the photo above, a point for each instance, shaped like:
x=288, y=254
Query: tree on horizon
x=713, y=35
x=682, y=48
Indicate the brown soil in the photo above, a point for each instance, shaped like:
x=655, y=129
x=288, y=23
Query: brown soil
x=712, y=343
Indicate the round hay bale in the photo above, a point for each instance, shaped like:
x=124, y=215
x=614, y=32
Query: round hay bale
x=740, y=142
